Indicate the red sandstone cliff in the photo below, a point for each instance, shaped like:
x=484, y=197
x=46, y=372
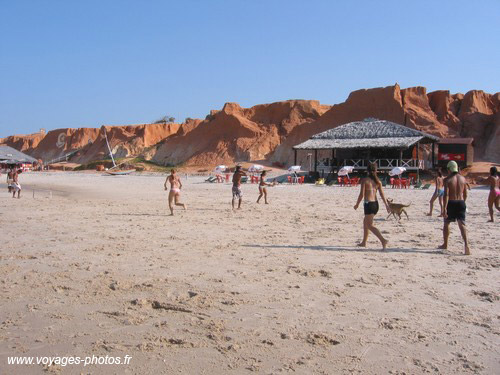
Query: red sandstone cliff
x=269, y=131
x=128, y=140
x=236, y=133
x=24, y=143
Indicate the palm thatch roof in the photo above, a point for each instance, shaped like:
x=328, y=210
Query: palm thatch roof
x=10, y=155
x=369, y=133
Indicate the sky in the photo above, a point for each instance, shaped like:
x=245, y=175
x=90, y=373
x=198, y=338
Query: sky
x=87, y=63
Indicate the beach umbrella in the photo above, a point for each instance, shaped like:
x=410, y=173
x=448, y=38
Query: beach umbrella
x=344, y=171
x=256, y=168
x=220, y=168
x=396, y=171
x=294, y=168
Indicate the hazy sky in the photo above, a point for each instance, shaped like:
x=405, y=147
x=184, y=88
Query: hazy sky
x=87, y=63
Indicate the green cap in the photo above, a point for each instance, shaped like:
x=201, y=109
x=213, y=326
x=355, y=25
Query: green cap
x=452, y=166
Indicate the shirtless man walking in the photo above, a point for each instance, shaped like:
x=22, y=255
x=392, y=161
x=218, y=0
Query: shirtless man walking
x=438, y=193
x=369, y=187
x=237, y=194
x=175, y=191
x=455, y=195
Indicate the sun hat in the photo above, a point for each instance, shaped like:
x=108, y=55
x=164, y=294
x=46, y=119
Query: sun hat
x=452, y=166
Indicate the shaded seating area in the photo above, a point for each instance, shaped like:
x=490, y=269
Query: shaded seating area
x=359, y=143
x=348, y=181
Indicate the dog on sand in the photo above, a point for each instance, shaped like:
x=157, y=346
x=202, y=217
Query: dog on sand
x=397, y=209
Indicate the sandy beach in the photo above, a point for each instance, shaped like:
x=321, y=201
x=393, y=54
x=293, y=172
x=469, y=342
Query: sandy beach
x=92, y=265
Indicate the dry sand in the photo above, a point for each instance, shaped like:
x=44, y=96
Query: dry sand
x=99, y=268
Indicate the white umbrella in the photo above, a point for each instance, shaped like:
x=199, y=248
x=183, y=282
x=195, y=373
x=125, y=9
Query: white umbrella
x=396, y=171
x=256, y=168
x=344, y=171
x=220, y=168
x=294, y=168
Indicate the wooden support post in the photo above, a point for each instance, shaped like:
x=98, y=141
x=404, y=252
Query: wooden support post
x=418, y=162
x=400, y=157
x=315, y=160
x=295, y=157
x=433, y=157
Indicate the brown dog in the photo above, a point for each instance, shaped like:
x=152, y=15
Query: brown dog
x=397, y=209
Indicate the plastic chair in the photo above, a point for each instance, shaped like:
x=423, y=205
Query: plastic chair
x=301, y=179
x=289, y=179
x=392, y=183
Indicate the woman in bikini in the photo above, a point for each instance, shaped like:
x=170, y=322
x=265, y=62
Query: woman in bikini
x=438, y=193
x=494, y=197
x=369, y=187
x=175, y=191
x=262, y=187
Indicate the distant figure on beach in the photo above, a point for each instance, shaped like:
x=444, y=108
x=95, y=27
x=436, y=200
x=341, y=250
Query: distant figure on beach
x=175, y=191
x=10, y=179
x=368, y=192
x=15, y=185
x=494, y=197
x=438, y=193
x=237, y=194
x=455, y=195
x=262, y=187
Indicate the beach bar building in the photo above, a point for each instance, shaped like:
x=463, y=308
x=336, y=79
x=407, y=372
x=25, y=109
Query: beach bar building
x=358, y=143
x=458, y=149
x=11, y=156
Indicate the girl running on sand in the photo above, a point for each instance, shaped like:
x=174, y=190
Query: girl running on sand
x=369, y=187
x=175, y=191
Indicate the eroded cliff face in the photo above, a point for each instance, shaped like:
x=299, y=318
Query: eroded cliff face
x=24, y=143
x=237, y=134
x=125, y=141
x=269, y=131
x=88, y=144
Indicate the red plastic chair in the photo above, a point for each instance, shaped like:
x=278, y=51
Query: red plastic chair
x=340, y=181
x=392, y=182
x=347, y=182
x=289, y=179
x=301, y=179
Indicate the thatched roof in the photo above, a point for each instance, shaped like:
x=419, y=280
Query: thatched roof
x=369, y=133
x=11, y=155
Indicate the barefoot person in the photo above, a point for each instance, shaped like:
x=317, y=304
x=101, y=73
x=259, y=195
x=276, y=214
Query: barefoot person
x=262, y=187
x=369, y=187
x=438, y=193
x=175, y=191
x=237, y=194
x=9, y=180
x=455, y=195
x=15, y=185
x=494, y=197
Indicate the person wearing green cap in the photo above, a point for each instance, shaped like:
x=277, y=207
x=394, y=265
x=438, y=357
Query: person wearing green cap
x=455, y=195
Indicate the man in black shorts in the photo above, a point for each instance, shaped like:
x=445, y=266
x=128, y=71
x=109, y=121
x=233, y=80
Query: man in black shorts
x=455, y=195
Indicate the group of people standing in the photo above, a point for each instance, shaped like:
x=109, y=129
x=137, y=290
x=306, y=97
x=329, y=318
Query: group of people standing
x=450, y=190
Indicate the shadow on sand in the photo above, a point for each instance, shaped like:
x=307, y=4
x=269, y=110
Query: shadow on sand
x=347, y=248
